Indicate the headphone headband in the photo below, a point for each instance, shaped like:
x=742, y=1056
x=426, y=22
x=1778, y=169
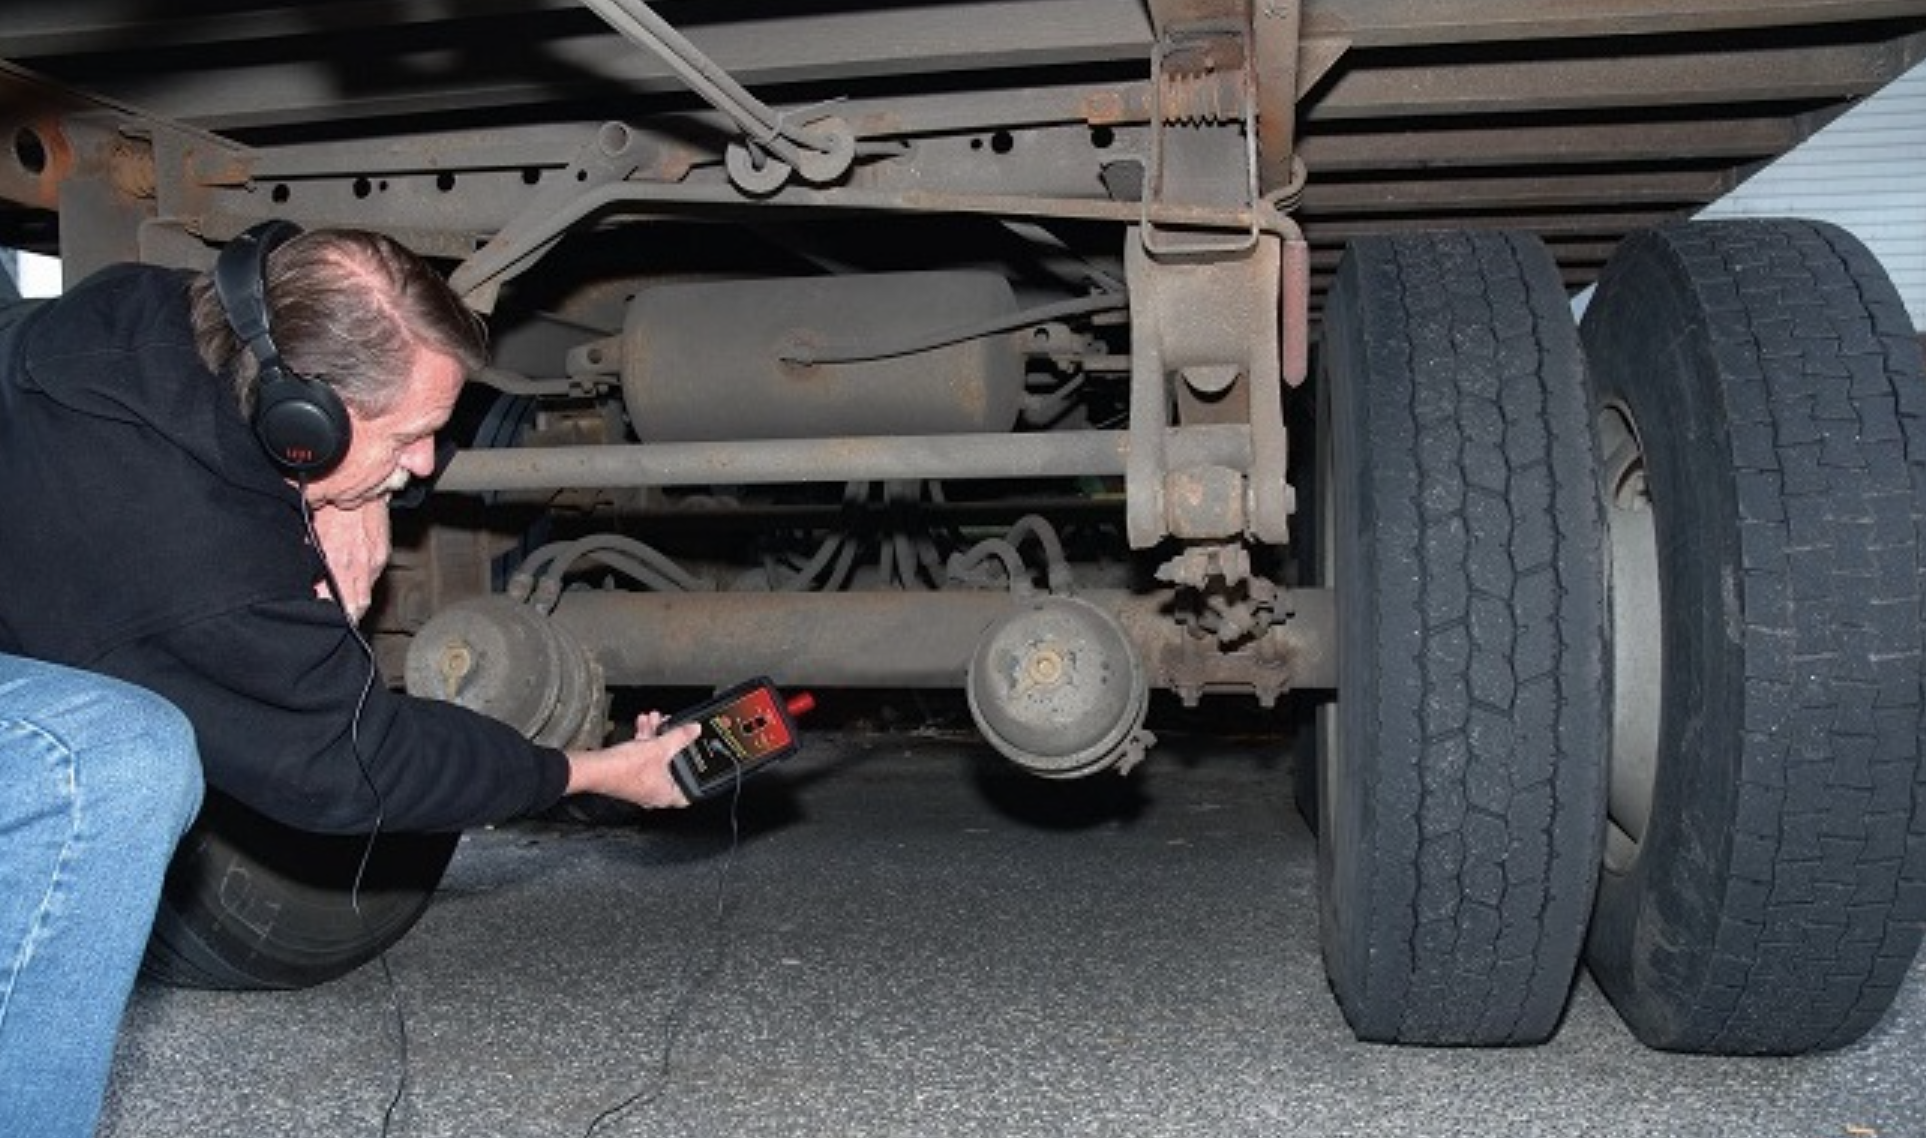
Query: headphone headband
x=240, y=279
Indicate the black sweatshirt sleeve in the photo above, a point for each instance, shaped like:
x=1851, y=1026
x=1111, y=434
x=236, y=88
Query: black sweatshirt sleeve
x=276, y=694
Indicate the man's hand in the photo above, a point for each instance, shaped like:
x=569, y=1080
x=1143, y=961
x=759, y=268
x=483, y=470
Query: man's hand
x=356, y=544
x=636, y=771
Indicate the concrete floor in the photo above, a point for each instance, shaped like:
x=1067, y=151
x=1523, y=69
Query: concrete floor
x=912, y=942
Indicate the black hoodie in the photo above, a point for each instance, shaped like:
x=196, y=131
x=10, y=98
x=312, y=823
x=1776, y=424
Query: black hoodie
x=145, y=535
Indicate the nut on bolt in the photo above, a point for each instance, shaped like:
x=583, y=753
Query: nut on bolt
x=457, y=661
x=1045, y=666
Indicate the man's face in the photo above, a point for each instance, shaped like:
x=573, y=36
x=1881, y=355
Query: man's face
x=388, y=449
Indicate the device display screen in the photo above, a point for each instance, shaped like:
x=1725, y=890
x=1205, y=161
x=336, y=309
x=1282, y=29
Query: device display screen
x=743, y=730
x=747, y=728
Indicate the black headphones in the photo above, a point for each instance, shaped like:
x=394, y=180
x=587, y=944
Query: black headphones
x=300, y=421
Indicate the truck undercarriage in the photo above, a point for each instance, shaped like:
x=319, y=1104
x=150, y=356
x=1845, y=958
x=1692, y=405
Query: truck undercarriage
x=1063, y=351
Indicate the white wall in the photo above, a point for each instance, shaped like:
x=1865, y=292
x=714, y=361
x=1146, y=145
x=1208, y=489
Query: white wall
x=1866, y=171
x=38, y=275
x=33, y=274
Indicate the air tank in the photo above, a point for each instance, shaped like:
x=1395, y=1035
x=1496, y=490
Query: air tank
x=717, y=361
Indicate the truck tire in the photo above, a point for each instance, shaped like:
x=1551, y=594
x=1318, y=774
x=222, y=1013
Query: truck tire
x=1765, y=872
x=251, y=904
x=1461, y=794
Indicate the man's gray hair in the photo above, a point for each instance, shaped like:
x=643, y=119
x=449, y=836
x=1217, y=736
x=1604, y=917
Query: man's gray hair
x=349, y=308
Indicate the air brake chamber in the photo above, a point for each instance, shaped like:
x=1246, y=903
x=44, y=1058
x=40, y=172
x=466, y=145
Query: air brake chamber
x=1059, y=689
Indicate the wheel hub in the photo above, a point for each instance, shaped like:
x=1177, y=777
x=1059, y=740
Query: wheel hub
x=1637, y=629
x=1058, y=688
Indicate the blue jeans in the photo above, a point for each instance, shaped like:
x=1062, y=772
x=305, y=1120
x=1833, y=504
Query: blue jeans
x=98, y=780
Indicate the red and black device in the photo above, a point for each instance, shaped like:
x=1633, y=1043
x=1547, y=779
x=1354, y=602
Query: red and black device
x=745, y=729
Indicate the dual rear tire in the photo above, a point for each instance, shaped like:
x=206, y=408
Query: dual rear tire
x=1461, y=786
x=1764, y=880
x=1630, y=640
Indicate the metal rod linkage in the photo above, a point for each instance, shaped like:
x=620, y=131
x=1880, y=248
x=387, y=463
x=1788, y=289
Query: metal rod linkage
x=1058, y=454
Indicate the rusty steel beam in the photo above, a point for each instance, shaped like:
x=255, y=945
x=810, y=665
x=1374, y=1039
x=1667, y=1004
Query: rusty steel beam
x=234, y=90
x=1414, y=89
x=45, y=27
x=1275, y=40
x=1401, y=23
x=41, y=27
x=897, y=639
x=232, y=87
x=1433, y=89
x=1448, y=147
x=1062, y=454
x=1592, y=253
x=517, y=148
x=1530, y=191
x=1573, y=224
x=1575, y=276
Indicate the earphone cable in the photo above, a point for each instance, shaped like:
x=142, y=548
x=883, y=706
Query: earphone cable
x=697, y=982
x=397, y=1013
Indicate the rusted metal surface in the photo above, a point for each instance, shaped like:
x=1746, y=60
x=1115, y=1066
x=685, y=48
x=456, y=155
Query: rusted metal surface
x=42, y=160
x=1295, y=653
x=908, y=639
x=1058, y=688
x=761, y=462
x=1402, y=23
x=1433, y=105
x=754, y=331
x=1274, y=38
x=1416, y=151
x=56, y=26
x=1203, y=133
x=1216, y=317
x=1209, y=157
x=1416, y=88
x=1533, y=191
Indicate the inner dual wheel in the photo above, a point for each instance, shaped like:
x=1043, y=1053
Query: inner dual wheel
x=1630, y=640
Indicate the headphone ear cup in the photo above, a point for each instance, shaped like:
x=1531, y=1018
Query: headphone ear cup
x=301, y=422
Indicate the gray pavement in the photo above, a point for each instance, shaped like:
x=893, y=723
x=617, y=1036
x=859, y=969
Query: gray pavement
x=911, y=942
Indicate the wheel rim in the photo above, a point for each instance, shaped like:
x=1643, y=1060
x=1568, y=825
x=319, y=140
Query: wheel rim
x=1637, y=628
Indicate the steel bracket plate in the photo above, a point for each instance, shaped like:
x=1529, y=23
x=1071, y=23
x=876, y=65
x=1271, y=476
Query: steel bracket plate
x=1193, y=321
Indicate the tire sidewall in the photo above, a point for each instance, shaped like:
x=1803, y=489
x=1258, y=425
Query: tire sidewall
x=251, y=904
x=1340, y=816
x=1647, y=935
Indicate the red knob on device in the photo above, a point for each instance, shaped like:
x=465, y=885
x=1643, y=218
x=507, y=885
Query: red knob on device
x=802, y=703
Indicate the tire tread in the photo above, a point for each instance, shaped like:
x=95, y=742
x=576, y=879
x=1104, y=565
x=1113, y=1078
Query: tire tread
x=1483, y=766
x=1825, y=888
